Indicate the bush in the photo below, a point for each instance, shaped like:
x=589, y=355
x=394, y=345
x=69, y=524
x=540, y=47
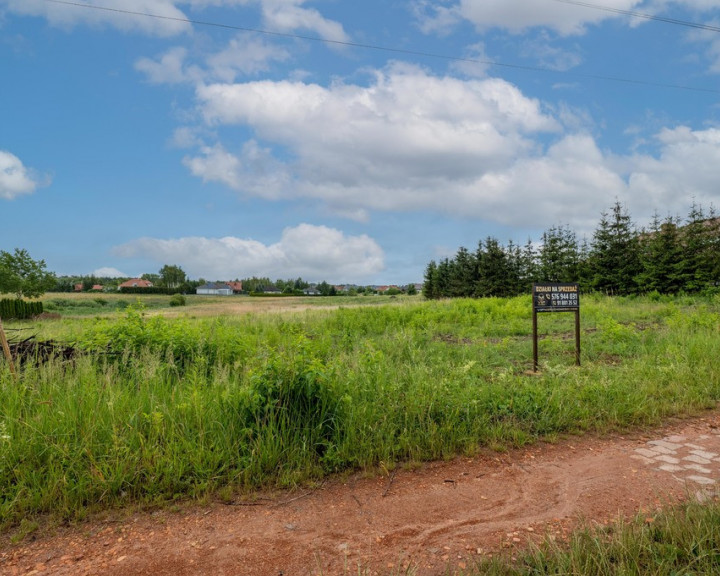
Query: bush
x=177, y=300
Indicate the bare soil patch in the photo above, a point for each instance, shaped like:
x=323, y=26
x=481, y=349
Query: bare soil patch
x=436, y=518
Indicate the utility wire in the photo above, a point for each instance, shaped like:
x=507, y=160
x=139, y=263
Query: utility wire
x=644, y=16
x=396, y=50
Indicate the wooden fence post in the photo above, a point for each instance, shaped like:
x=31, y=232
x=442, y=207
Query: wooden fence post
x=6, y=349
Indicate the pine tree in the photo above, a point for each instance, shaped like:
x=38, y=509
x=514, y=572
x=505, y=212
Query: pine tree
x=695, y=268
x=429, y=289
x=515, y=266
x=660, y=252
x=558, y=260
x=494, y=277
x=713, y=226
x=584, y=266
x=614, y=257
x=463, y=274
x=529, y=267
x=442, y=278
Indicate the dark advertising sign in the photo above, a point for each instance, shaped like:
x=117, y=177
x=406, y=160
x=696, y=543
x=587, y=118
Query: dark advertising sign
x=556, y=297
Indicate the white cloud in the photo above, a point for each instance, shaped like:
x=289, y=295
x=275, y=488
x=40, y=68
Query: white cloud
x=519, y=16
x=476, y=62
x=255, y=171
x=15, y=178
x=118, y=14
x=472, y=149
x=185, y=137
x=380, y=147
x=312, y=252
x=686, y=166
x=169, y=68
x=288, y=15
x=244, y=55
x=108, y=272
x=285, y=16
x=131, y=15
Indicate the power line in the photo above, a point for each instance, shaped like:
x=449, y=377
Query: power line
x=404, y=51
x=644, y=16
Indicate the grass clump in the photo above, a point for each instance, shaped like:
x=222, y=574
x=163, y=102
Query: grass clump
x=681, y=540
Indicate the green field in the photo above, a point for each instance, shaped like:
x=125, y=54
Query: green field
x=177, y=403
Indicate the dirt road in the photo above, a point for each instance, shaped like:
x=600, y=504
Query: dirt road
x=435, y=518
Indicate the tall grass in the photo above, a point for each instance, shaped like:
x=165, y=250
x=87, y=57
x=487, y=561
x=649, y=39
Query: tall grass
x=161, y=409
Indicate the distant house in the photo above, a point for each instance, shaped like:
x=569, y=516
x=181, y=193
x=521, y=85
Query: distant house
x=95, y=287
x=215, y=289
x=236, y=287
x=136, y=283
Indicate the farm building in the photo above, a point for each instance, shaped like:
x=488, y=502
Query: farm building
x=214, y=289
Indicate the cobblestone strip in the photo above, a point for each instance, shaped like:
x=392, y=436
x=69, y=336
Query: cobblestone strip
x=696, y=461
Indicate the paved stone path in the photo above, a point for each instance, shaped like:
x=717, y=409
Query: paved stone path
x=696, y=461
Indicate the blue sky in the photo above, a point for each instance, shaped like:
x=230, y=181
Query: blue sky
x=344, y=141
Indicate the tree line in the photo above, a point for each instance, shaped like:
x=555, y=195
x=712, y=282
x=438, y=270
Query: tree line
x=668, y=256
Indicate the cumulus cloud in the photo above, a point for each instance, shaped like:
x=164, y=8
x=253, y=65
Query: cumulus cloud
x=468, y=148
x=380, y=146
x=15, y=178
x=311, y=252
x=687, y=165
x=108, y=272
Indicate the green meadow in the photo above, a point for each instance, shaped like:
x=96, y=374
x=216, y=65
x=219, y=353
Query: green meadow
x=166, y=404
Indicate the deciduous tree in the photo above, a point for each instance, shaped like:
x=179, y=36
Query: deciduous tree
x=23, y=276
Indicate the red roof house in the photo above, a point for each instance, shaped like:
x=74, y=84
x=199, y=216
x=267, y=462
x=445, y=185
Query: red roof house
x=136, y=283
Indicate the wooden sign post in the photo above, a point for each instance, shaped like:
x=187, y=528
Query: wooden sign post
x=556, y=298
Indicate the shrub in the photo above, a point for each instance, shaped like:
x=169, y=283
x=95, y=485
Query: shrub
x=177, y=300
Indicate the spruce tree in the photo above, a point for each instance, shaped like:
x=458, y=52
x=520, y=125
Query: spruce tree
x=614, y=257
x=515, y=267
x=494, y=277
x=429, y=289
x=660, y=251
x=463, y=274
x=529, y=267
x=694, y=269
x=559, y=255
